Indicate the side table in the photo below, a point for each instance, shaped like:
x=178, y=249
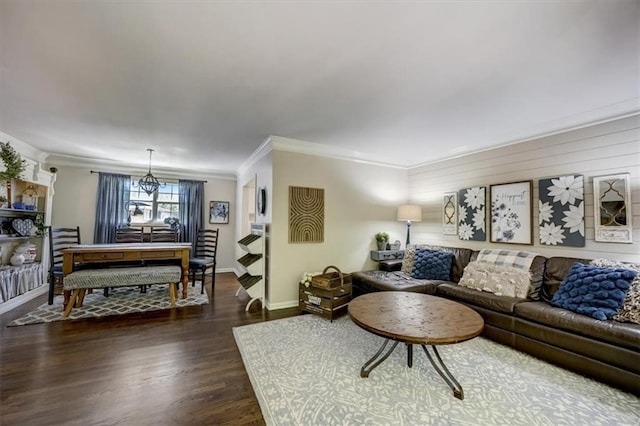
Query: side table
x=388, y=260
x=328, y=303
x=390, y=265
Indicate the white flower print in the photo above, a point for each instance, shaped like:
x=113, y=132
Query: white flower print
x=465, y=231
x=478, y=220
x=551, y=234
x=474, y=197
x=566, y=189
x=546, y=212
x=574, y=219
x=462, y=213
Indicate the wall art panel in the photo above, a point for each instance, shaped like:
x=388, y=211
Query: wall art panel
x=306, y=215
x=471, y=214
x=561, y=211
x=449, y=213
x=511, y=211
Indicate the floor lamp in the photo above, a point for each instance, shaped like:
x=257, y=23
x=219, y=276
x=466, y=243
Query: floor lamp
x=409, y=213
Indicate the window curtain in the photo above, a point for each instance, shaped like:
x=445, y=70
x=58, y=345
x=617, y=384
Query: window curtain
x=191, y=205
x=111, y=207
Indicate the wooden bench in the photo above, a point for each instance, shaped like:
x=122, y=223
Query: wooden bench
x=80, y=281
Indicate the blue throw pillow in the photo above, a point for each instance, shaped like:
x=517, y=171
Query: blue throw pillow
x=432, y=265
x=593, y=291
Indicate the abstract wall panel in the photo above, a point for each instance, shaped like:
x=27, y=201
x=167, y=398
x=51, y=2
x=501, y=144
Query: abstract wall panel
x=306, y=215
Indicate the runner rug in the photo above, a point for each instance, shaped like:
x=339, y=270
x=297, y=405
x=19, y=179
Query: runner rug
x=306, y=371
x=121, y=300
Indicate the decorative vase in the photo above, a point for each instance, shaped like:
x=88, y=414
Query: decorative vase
x=382, y=245
x=17, y=259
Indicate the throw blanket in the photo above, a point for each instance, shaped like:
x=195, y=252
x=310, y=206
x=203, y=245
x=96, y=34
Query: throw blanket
x=512, y=258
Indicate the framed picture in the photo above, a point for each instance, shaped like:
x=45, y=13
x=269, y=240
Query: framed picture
x=449, y=213
x=471, y=214
x=219, y=212
x=511, y=211
x=561, y=211
x=612, y=208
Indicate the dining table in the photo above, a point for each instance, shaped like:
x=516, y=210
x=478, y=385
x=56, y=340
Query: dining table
x=85, y=255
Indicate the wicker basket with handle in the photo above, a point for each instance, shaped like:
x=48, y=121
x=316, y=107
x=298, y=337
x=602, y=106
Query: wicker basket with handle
x=330, y=279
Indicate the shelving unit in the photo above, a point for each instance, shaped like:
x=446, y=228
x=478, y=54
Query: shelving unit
x=19, y=284
x=252, y=281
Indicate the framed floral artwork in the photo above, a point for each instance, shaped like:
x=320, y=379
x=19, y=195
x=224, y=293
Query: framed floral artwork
x=561, y=211
x=471, y=214
x=449, y=213
x=511, y=211
x=612, y=208
x=219, y=212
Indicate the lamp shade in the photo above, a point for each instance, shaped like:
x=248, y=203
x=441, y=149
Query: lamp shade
x=410, y=213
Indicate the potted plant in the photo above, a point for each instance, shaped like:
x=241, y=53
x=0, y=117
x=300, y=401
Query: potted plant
x=14, y=165
x=382, y=238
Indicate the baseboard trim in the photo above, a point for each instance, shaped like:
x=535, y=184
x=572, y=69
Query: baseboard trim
x=23, y=298
x=282, y=305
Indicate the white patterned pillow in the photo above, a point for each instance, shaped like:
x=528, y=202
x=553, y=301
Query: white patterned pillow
x=630, y=309
x=499, y=280
x=408, y=259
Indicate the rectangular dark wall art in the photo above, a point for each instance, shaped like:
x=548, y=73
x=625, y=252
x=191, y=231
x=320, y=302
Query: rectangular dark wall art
x=471, y=214
x=561, y=211
x=306, y=215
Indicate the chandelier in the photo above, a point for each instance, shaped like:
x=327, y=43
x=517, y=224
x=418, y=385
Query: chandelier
x=149, y=183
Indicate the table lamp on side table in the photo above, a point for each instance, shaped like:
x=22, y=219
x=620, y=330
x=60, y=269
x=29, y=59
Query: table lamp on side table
x=409, y=213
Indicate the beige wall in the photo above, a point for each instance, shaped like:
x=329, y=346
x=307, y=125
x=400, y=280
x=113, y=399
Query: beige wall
x=75, y=201
x=360, y=200
x=609, y=148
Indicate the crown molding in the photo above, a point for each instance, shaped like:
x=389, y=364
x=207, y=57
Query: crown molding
x=121, y=167
x=24, y=148
x=303, y=147
x=265, y=148
x=632, y=113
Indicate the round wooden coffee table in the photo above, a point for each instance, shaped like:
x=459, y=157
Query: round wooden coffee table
x=415, y=319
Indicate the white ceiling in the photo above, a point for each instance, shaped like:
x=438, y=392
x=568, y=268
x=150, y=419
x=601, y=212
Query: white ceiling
x=403, y=83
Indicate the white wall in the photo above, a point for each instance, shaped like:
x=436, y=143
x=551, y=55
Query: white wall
x=360, y=200
x=74, y=204
x=604, y=149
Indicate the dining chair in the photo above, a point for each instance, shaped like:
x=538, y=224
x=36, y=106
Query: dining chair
x=163, y=235
x=59, y=239
x=129, y=235
x=204, y=257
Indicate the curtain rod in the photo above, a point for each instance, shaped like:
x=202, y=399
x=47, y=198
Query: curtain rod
x=159, y=177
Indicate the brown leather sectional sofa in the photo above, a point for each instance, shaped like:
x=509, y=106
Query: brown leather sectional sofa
x=608, y=351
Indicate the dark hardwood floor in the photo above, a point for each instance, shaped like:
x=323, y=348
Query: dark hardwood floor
x=171, y=367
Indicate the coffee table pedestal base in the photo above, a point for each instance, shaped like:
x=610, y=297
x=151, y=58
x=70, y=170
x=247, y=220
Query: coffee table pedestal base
x=435, y=360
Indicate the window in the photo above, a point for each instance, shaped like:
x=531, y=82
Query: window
x=154, y=208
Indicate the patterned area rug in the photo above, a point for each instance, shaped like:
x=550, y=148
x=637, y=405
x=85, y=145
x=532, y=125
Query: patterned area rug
x=306, y=371
x=123, y=300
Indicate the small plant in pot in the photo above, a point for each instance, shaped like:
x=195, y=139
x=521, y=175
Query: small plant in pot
x=14, y=165
x=382, y=239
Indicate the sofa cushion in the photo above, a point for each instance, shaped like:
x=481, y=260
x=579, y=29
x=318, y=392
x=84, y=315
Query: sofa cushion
x=432, y=265
x=499, y=280
x=555, y=271
x=504, y=304
x=594, y=291
x=392, y=281
x=408, y=259
x=621, y=334
x=461, y=257
x=630, y=310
